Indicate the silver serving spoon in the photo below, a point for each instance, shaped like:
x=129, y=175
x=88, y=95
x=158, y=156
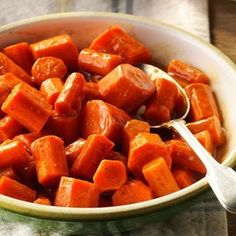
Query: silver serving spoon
x=222, y=179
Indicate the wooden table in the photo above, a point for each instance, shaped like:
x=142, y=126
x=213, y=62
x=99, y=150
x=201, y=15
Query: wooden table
x=223, y=35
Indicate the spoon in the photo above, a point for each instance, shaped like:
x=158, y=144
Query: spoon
x=222, y=179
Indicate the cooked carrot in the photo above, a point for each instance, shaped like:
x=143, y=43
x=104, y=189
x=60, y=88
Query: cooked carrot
x=144, y=148
x=50, y=160
x=43, y=201
x=12, y=188
x=99, y=117
x=131, y=129
x=183, y=156
x=27, y=106
x=116, y=41
x=126, y=87
x=202, y=101
x=212, y=124
x=91, y=91
x=61, y=46
x=96, y=148
x=9, y=128
x=71, y=94
x=118, y=157
x=159, y=108
x=75, y=193
x=187, y=72
x=204, y=137
x=98, y=62
x=132, y=192
x=50, y=89
x=20, y=53
x=183, y=177
x=110, y=175
x=7, y=65
x=159, y=177
x=9, y=172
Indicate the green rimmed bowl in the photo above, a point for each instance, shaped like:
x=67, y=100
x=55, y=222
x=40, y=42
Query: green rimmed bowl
x=166, y=43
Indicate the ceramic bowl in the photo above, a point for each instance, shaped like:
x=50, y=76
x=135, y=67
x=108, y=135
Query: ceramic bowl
x=166, y=42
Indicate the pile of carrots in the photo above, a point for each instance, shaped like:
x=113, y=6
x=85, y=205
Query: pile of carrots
x=67, y=133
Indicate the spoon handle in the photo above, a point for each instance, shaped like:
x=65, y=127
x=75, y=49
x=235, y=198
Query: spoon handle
x=222, y=179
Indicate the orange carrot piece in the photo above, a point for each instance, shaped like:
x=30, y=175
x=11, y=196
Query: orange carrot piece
x=132, y=192
x=7, y=65
x=12, y=188
x=91, y=91
x=9, y=172
x=99, y=117
x=204, y=137
x=110, y=175
x=144, y=148
x=50, y=160
x=61, y=46
x=27, y=106
x=126, y=87
x=116, y=41
x=20, y=53
x=187, y=72
x=202, y=101
x=43, y=201
x=50, y=89
x=71, y=94
x=159, y=177
x=98, y=62
x=75, y=193
x=96, y=148
x=118, y=157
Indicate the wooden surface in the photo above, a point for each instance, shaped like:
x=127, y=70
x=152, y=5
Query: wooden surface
x=222, y=15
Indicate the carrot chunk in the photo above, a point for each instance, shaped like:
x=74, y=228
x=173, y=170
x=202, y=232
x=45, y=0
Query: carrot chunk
x=20, y=53
x=132, y=192
x=126, y=87
x=110, y=175
x=99, y=117
x=50, y=160
x=9, y=172
x=76, y=193
x=12, y=188
x=202, y=101
x=61, y=46
x=48, y=67
x=144, y=148
x=91, y=91
x=186, y=72
x=26, y=105
x=114, y=40
x=159, y=177
x=43, y=201
x=204, y=137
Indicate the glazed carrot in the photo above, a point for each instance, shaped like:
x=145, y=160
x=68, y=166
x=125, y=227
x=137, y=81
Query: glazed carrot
x=116, y=41
x=98, y=62
x=132, y=192
x=202, y=101
x=9, y=128
x=182, y=155
x=96, y=148
x=131, y=129
x=75, y=193
x=50, y=160
x=91, y=91
x=110, y=175
x=204, y=137
x=61, y=46
x=159, y=108
x=99, y=117
x=71, y=94
x=50, y=89
x=183, y=177
x=126, y=87
x=118, y=157
x=26, y=105
x=48, y=67
x=7, y=65
x=43, y=201
x=159, y=177
x=144, y=148
x=186, y=72
x=212, y=124
x=12, y=188
x=9, y=172
x=20, y=53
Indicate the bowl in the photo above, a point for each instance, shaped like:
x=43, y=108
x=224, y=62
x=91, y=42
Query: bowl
x=166, y=42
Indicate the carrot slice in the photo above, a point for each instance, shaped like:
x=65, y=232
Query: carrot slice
x=204, y=137
x=91, y=92
x=43, y=201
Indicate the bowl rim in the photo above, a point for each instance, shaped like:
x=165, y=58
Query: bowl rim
x=109, y=213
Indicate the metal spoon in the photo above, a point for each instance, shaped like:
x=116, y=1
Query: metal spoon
x=222, y=179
